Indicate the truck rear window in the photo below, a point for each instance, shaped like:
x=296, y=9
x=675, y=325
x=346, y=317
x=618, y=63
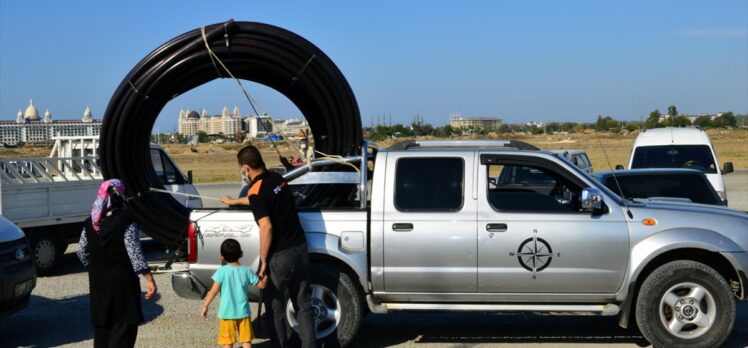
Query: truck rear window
x=698, y=157
x=429, y=184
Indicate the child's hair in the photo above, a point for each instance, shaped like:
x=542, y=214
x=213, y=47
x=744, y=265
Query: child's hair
x=231, y=250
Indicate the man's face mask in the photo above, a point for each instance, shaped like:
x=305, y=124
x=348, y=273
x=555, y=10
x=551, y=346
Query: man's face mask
x=245, y=178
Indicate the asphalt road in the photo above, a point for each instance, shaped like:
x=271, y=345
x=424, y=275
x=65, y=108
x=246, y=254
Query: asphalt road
x=59, y=310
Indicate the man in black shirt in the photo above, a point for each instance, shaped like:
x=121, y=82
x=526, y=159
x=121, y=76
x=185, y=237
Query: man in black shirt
x=283, y=250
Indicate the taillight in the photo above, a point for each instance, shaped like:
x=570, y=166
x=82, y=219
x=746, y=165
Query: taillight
x=192, y=243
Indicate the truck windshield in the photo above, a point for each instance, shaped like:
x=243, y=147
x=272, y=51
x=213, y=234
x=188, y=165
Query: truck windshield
x=698, y=157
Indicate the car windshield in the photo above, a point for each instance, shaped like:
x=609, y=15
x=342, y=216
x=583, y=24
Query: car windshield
x=697, y=157
x=694, y=187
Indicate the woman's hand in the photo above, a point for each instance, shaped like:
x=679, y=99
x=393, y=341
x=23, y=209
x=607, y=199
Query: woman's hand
x=204, y=312
x=152, y=289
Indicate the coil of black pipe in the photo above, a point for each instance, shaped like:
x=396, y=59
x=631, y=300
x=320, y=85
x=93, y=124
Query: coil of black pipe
x=257, y=52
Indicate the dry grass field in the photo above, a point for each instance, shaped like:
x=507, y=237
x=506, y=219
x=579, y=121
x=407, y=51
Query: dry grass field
x=217, y=162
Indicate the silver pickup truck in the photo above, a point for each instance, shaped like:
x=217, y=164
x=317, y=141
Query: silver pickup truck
x=497, y=226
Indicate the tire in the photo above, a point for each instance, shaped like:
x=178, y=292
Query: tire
x=685, y=304
x=47, y=252
x=332, y=290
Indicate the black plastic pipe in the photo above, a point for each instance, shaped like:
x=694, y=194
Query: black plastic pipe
x=257, y=52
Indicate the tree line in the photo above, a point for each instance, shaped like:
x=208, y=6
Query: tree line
x=602, y=124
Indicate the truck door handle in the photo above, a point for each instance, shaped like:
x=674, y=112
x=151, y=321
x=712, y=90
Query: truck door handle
x=406, y=227
x=496, y=227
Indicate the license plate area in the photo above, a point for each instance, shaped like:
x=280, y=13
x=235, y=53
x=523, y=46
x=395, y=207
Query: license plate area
x=24, y=287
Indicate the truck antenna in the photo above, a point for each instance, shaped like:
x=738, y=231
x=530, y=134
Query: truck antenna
x=615, y=178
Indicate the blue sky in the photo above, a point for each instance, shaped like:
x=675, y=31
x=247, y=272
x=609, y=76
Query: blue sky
x=518, y=60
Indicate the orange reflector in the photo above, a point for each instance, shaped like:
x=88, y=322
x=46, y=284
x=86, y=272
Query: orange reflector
x=649, y=222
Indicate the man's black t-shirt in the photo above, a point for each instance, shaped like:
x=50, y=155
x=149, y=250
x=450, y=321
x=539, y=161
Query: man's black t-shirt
x=269, y=196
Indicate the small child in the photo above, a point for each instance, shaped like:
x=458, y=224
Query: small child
x=233, y=281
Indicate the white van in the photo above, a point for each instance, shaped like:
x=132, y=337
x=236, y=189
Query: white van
x=680, y=148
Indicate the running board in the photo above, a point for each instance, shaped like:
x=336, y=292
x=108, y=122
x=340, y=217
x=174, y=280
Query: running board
x=552, y=309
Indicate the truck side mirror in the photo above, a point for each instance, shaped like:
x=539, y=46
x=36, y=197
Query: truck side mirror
x=619, y=166
x=592, y=199
x=189, y=177
x=728, y=168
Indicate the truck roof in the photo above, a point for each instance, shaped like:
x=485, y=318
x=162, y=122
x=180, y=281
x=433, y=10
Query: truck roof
x=670, y=135
x=464, y=145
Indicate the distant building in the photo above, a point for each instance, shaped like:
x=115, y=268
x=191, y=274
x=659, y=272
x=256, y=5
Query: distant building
x=30, y=128
x=485, y=123
x=259, y=126
x=290, y=128
x=191, y=123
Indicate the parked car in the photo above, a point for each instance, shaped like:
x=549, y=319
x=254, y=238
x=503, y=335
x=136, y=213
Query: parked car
x=17, y=272
x=431, y=231
x=577, y=157
x=679, y=148
x=687, y=184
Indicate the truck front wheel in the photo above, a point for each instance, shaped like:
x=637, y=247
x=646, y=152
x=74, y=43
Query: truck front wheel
x=337, y=306
x=47, y=252
x=685, y=304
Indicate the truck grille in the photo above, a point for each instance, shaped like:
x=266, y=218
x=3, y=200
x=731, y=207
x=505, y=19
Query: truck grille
x=8, y=260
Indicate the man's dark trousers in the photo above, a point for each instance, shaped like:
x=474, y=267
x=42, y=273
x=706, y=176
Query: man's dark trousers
x=289, y=271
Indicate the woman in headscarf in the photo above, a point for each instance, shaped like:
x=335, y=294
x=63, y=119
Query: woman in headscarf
x=109, y=248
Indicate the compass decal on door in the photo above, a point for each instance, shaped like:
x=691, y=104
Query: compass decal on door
x=534, y=254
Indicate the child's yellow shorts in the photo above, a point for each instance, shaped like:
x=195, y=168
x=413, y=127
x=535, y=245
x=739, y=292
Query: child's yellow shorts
x=228, y=329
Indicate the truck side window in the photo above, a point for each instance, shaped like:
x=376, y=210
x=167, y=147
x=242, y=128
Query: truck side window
x=526, y=188
x=429, y=184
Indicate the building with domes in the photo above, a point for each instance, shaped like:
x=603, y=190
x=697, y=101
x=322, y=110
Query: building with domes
x=30, y=128
x=190, y=122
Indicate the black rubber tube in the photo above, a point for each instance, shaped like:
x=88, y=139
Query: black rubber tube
x=257, y=52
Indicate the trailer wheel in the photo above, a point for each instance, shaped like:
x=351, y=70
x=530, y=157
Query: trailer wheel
x=47, y=252
x=337, y=306
x=685, y=304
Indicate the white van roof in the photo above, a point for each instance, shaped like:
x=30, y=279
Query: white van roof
x=669, y=135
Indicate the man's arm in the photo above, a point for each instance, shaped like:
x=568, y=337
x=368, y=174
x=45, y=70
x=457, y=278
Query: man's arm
x=228, y=200
x=266, y=237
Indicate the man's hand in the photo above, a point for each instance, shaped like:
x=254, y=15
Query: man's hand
x=228, y=200
x=204, y=312
x=263, y=269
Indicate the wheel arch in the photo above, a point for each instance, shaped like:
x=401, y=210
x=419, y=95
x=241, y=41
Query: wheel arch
x=714, y=259
x=325, y=248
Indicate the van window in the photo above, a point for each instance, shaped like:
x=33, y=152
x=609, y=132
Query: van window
x=429, y=184
x=698, y=157
x=165, y=170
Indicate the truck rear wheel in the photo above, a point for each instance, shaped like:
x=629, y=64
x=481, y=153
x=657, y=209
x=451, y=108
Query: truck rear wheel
x=685, y=304
x=337, y=306
x=47, y=252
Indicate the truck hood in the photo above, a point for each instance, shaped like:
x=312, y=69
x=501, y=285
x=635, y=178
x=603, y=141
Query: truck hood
x=730, y=223
x=9, y=231
x=688, y=207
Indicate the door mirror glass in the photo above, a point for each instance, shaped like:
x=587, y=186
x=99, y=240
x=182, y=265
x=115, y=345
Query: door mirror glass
x=591, y=199
x=728, y=168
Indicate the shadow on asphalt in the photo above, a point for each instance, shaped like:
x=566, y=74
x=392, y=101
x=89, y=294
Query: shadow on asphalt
x=474, y=328
x=53, y=322
x=478, y=328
